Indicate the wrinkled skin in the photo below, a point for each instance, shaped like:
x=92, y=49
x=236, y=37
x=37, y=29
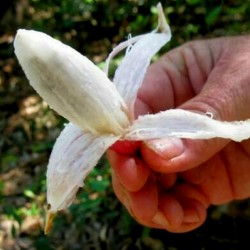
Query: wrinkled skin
x=170, y=183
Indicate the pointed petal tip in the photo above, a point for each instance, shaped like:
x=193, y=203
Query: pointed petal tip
x=162, y=22
x=19, y=38
x=21, y=32
x=50, y=216
x=28, y=34
x=24, y=35
x=34, y=41
x=31, y=44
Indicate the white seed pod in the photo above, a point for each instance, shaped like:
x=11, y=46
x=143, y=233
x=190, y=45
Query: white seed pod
x=70, y=83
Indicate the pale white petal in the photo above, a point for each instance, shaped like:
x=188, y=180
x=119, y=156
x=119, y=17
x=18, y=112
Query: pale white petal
x=70, y=83
x=131, y=71
x=75, y=154
x=186, y=124
x=121, y=46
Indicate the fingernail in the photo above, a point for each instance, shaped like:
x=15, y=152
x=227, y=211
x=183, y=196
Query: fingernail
x=167, y=148
x=127, y=204
x=191, y=216
x=160, y=219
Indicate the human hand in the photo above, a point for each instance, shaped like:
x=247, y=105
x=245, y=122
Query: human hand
x=169, y=183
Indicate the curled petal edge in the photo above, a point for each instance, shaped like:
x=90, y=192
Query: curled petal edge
x=74, y=155
x=186, y=124
x=140, y=50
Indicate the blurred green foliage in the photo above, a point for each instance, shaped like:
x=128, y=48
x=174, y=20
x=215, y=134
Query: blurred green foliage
x=29, y=128
x=82, y=23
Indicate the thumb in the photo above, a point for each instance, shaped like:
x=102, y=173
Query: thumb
x=224, y=102
x=171, y=155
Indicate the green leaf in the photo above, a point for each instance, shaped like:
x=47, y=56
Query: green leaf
x=43, y=243
x=42, y=147
x=9, y=159
x=212, y=16
x=28, y=193
x=99, y=185
x=194, y=2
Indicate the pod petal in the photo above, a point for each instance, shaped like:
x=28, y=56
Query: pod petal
x=131, y=71
x=74, y=155
x=70, y=83
x=186, y=124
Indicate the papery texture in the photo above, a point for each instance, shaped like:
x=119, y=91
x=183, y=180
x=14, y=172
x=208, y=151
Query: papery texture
x=131, y=71
x=75, y=153
x=186, y=124
x=117, y=49
x=70, y=83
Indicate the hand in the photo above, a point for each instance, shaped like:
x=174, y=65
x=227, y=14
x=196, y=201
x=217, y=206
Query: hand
x=170, y=183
